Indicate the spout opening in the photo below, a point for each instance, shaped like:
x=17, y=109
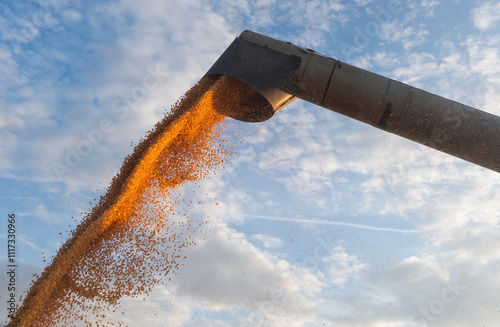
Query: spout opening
x=235, y=99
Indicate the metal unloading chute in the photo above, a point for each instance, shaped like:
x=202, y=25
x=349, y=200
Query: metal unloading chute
x=281, y=72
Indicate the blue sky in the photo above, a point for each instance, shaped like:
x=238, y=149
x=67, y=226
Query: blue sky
x=356, y=227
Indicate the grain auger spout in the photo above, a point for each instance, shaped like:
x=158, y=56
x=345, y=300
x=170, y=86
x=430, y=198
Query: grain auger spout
x=276, y=72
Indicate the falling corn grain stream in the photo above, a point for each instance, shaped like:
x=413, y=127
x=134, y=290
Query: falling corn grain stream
x=133, y=238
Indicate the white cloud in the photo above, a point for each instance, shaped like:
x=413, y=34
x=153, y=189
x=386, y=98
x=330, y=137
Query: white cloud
x=281, y=157
x=228, y=271
x=24, y=32
x=484, y=56
x=72, y=15
x=422, y=8
x=412, y=270
x=11, y=75
x=362, y=2
x=319, y=18
x=409, y=35
x=486, y=15
x=160, y=308
x=268, y=241
x=343, y=266
x=362, y=62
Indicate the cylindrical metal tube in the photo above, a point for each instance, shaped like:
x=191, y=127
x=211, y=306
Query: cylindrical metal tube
x=281, y=71
x=420, y=116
